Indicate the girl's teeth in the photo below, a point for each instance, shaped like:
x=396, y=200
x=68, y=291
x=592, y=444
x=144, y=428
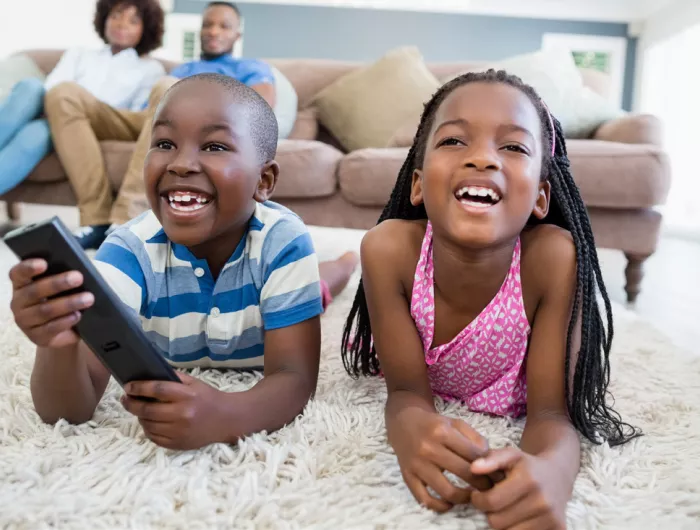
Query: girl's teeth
x=476, y=204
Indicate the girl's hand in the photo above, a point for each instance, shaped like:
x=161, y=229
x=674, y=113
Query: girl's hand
x=184, y=416
x=47, y=322
x=426, y=445
x=531, y=497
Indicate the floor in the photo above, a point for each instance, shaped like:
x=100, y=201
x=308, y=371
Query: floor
x=670, y=296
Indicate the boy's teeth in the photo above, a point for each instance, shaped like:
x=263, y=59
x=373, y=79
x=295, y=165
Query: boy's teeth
x=178, y=197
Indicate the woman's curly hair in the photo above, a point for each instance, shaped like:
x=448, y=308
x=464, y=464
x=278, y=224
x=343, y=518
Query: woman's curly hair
x=152, y=17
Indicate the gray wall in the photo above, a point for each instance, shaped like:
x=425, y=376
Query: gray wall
x=287, y=31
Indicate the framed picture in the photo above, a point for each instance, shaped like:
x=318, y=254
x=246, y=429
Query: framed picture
x=603, y=54
x=181, y=42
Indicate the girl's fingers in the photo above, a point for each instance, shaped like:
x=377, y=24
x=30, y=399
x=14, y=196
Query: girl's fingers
x=433, y=477
x=455, y=464
x=424, y=498
x=502, y=496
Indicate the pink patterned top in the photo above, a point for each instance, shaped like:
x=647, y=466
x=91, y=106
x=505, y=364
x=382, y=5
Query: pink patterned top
x=483, y=366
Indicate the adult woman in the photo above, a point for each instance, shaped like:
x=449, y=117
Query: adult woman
x=118, y=76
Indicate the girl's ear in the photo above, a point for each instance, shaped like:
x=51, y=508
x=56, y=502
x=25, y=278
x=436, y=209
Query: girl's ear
x=267, y=182
x=541, y=208
x=417, y=188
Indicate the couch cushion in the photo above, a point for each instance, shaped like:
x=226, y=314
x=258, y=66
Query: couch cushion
x=48, y=170
x=617, y=175
x=609, y=175
x=305, y=126
x=364, y=108
x=367, y=176
x=307, y=169
x=116, y=156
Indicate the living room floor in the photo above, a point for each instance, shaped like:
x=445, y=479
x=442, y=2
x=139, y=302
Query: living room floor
x=670, y=295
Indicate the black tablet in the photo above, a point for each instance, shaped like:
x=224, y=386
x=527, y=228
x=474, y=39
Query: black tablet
x=109, y=327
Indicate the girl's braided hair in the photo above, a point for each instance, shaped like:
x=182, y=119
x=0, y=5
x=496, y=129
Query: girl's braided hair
x=586, y=401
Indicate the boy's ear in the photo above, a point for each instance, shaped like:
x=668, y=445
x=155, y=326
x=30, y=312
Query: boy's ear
x=267, y=182
x=417, y=188
x=541, y=208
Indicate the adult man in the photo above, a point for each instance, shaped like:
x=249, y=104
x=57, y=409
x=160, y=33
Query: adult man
x=220, y=31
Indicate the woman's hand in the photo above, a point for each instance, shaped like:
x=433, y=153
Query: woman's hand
x=533, y=496
x=428, y=444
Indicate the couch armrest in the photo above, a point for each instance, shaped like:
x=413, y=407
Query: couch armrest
x=632, y=129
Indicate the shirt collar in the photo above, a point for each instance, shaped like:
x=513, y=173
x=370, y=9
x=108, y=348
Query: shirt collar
x=220, y=59
x=129, y=53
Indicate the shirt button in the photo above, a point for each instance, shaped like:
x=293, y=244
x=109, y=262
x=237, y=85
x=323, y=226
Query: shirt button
x=199, y=272
x=215, y=312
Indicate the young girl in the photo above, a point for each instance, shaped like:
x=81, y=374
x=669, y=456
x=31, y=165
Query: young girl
x=481, y=275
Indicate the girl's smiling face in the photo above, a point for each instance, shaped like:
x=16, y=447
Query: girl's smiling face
x=480, y=181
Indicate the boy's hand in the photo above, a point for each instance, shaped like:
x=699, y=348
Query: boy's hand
x=529, y=498
x=426, y=445
x=184, y=416
x=47, y=323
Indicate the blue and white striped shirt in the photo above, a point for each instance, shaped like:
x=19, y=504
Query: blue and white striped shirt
x=271, y=281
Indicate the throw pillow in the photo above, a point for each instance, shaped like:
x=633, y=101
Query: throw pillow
x=15, y=69
x=554, y=76
x=285, y=105
x=364, y=108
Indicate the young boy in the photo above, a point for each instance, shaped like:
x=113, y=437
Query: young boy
x=219, y=276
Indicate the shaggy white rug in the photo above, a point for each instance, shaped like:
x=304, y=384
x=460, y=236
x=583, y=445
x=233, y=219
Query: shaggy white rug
x=332, y=468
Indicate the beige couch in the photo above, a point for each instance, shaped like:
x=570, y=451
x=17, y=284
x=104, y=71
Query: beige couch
x=623, y=172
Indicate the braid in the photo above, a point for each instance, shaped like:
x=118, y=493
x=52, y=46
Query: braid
x=587, y=390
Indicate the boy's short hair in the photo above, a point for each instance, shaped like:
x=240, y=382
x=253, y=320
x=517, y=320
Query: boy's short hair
x=226, y=4
x=262, y=121
x=152, y=17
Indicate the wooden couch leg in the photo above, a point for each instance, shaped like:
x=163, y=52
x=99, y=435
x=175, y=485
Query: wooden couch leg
x=634, y=273
x=13, y=211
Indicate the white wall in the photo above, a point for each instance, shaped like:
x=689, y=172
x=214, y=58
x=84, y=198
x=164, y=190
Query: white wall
x=592, y=10
x=660, y=26
x=46, y=24
x=668, y=75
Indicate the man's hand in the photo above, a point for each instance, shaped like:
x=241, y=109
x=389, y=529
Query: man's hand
x=426, y=445
x=184, y=416
x=531, y=497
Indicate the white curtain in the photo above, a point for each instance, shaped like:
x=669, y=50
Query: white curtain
x=671, y=91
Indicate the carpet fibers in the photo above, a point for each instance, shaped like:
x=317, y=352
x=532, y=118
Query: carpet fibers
x=332, y=468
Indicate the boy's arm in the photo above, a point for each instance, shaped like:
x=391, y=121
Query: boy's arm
x=292, y=356
x=67, y=383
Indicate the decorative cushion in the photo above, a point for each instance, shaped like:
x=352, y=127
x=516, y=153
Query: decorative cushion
x=15, y=69
x=554, y=76
x=285, y=105
x=364, y=108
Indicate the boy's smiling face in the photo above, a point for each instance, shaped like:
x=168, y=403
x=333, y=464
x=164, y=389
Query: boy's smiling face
x=203, y=173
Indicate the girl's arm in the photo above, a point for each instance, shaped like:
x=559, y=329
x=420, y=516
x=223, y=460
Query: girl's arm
x=548, y=432
x=384, y=253
x=542, y=473
x=425, y=442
